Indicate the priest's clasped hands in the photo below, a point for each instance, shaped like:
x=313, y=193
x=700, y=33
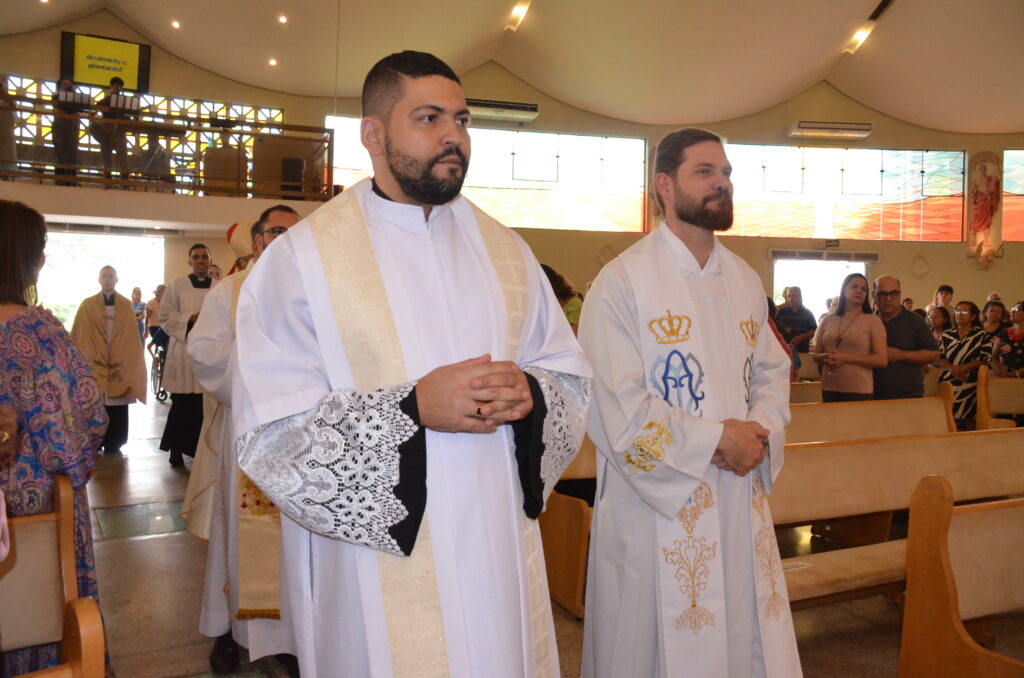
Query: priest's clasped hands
x=473, y=396
x=741, y=447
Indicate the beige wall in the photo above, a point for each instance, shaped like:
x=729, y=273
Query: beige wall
x=577, y=254
x=176, y=255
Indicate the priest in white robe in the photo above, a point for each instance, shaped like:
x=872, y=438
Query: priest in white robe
x=691, y=394
x=179, y=310
x=216, y=496
x=412, y=393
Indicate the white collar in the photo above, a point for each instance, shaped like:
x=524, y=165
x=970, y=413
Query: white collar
x=684, y=258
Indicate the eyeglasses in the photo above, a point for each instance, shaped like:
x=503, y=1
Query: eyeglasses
x=895, y=294
x=961, y=311
x=275, y=231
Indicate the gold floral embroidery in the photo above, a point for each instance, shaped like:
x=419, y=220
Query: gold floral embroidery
x=766, y=551
x=750, y=330
x=691, y=557
x=253, y=499
x=649, y=446
x=702, y=498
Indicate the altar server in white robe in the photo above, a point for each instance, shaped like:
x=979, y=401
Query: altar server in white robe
x=412, y=393
x=179, y=310
x=215, y=497
x=691, y=394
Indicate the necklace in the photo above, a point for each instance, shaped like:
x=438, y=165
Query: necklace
x=839, y=334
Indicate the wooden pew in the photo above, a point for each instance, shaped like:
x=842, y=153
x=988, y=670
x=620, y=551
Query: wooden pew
x=39, y=600
x=805, y=392
x=565, y=534
x=809, y=370
x=812, y=422
x=963, y=562
x=830, y=480
x=998, y=395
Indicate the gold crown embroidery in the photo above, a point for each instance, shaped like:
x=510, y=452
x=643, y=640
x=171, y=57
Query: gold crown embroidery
x=670, y=329
x=750, y=330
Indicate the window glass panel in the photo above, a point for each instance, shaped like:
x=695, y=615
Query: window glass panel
x=1013, y=195
x=862, y=171
x=623, y=163
x=783, y=169
x=535, y=157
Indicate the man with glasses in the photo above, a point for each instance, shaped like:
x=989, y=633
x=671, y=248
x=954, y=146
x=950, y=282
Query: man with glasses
x=911, y=344
x=209, y=508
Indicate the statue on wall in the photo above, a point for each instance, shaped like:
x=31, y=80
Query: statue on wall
x=984, y=195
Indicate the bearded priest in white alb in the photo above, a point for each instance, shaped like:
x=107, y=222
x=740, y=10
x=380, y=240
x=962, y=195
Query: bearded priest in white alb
x=412, y=393
x=691, y=393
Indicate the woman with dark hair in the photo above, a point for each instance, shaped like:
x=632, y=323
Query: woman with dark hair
x=46, y=380
x=1008, y=348
x=965, y=347
x=939, y=321
x=994, y=318
x=570, y=300
x=849, y=344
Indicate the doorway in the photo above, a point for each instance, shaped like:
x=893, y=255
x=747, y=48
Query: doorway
x=818, y=280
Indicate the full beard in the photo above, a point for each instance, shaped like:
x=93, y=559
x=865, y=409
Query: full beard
x=698, y=214
x=417, y=179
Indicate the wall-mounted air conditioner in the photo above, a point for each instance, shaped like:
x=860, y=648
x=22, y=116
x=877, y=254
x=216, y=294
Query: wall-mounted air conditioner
x=829, y=130
x=506, y=111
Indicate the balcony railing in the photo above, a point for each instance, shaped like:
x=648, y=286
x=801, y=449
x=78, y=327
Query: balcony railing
x=154, y=151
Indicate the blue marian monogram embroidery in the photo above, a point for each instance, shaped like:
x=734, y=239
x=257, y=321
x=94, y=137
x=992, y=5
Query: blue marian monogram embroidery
x=678, y=380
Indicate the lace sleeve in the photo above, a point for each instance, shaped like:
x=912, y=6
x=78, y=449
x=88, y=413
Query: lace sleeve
x=548, y=439
x=353, y=468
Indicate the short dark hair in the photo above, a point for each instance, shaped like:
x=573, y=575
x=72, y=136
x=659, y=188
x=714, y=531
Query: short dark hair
x=262, y=221
x=117, y=81
x=383, y=84
x=559, y=284
x=197, y=246
x=254, y=230
x=841, y=308
x=945, y=314
x=671, y=153
x=990, y=304
x=945, y=288
x=22, y=241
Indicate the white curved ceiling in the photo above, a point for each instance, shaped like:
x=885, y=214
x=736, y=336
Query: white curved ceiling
x=944, y=64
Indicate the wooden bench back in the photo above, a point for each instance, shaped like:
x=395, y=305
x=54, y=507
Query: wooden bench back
x=808, y=368
x=815, y=422
x=805, y=392
x=963, y=562
x=38, y=576
x=998, y=395
x=584, y=464
x=833, y=480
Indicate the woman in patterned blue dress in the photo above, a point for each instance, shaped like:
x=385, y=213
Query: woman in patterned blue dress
x=965, y=347
x=48, y=383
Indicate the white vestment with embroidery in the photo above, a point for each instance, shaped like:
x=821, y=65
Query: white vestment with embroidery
x=684, y=574
x=447, y=304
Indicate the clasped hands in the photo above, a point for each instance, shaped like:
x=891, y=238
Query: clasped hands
x=834, y=358
x=473, y=396
x=741, y=447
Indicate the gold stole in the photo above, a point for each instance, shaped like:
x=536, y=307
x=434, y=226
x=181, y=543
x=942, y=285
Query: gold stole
x=412, y=603
x=259, y=532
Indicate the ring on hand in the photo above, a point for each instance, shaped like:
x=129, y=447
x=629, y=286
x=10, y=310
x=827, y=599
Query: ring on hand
x=5, y=436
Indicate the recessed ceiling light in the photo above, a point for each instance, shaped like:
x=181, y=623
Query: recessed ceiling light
x=272, y=61
x=44, y=1
x=175, y=23
x=282, y=18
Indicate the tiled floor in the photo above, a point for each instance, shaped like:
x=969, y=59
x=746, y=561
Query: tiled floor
x=150, y=576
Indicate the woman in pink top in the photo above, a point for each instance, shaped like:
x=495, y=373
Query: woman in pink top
x=849, y=344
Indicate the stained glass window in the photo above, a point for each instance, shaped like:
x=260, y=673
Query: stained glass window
x=36, y=129
x=857, y=194
x=1013, y=195
x=535, y=179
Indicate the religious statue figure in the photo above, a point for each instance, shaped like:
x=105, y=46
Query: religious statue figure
x=984, y=194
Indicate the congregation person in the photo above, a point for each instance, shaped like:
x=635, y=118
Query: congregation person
x=179, y=309
x=1008, y=347
x=46, y=382
x=939, y=320
x=107, y=333
x=570, y=300
x=691, y=402
x=965, y=348
x=849, y=344
x=944, y=298
x=216, y=273
x=219, y=494
x=908, y=303
x=65, y=134
x=797, y=319
x=403, y=352
x=994, y=318
x=140, y=313
x=110, y=134
x=911, y=345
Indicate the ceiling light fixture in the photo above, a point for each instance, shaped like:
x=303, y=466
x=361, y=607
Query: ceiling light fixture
x=175, y=24
x=44, y=1
x=272, y=61
x=859, y=37
x=282, y=19
x=518, y=14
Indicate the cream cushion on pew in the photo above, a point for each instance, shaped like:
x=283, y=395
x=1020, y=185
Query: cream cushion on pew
x=983, y=549
x=998, y=395
x=813, y=422
x=30, y=587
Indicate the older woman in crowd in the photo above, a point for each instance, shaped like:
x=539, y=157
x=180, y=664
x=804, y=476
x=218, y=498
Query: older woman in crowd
x=965, y=347
x=849, y=344
x=46, y=382
x=994, y=318
x=1008, y=346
